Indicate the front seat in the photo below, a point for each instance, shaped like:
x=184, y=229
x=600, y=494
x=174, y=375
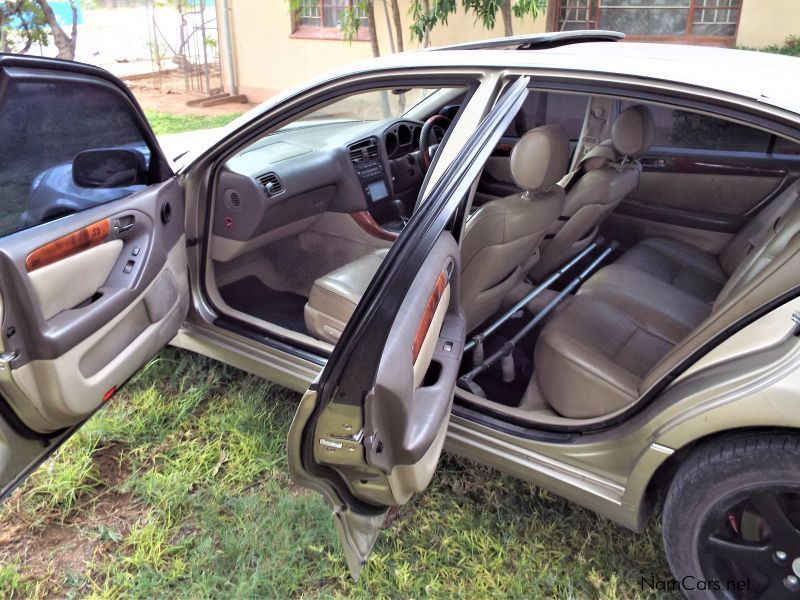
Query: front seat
x=604, y=177
x=501, y=239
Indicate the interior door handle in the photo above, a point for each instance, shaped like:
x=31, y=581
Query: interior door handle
x=124, y=224
x=654, y=163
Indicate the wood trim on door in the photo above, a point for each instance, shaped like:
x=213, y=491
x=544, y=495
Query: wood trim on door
x=72, y=243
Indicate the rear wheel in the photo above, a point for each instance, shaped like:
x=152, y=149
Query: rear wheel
x=732, y=520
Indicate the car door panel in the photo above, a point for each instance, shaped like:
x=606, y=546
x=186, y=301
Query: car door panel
x=106, y=309
x=701, y=197
x=93, y=267
x=727, y=184
x=405, y=412
x=369, y=433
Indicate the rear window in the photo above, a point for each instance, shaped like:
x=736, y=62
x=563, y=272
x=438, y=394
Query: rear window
x=550, y=108
x=784, y=146
x=682, y=129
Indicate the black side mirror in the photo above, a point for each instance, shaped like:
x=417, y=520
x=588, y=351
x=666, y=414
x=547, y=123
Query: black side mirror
x=109, y=168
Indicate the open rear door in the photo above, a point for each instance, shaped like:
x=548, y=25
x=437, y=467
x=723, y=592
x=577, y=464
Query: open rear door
x=368, y=434
x=93, y=274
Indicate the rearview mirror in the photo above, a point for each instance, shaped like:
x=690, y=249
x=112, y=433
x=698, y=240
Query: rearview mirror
x=109, y=168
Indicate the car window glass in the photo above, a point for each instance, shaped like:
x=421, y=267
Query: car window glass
x=784, y=146
x=682, y=129
x=44, y=125
x=550, y=108
x=374, y=105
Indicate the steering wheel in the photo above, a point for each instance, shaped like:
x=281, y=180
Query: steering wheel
x=425, y=135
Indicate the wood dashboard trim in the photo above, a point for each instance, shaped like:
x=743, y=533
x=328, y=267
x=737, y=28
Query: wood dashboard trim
x=370, y=226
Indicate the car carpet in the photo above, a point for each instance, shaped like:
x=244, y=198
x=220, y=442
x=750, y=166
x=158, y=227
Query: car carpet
x=250, y=296
x=491, y=380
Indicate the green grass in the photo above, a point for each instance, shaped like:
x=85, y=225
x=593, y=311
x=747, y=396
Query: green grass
x=181, y=490
x=165, y=123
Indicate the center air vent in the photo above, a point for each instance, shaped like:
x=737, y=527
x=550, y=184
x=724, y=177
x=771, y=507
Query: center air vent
x=363, y=151
x=271, y=184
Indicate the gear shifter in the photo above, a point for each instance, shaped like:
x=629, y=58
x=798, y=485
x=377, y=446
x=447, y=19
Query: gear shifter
x=400, y=209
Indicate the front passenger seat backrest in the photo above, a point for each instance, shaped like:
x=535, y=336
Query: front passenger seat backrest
x=604, y=177
x=502, y=238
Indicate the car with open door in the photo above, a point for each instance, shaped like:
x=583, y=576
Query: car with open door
x=561, y=256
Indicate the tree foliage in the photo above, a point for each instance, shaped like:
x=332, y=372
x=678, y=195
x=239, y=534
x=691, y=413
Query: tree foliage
x=427, y=15
x=27, y=22
x=22, y=24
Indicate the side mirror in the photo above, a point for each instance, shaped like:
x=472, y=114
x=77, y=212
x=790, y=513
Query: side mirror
x=109, y=168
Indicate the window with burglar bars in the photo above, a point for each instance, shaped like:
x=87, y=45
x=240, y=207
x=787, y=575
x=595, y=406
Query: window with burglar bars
x=688, y=20
x=328, y=13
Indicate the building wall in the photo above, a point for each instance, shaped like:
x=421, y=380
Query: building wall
x=268, y=59
x=766, y=22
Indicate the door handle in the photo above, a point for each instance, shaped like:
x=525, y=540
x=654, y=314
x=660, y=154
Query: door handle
x=654, y=163
x=124, y=224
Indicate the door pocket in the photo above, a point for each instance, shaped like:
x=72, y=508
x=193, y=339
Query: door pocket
x=73, y=280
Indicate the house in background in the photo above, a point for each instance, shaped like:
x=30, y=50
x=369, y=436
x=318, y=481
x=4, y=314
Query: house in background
x=272, y=48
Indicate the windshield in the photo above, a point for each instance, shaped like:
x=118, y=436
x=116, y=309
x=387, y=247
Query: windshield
x=370, y=106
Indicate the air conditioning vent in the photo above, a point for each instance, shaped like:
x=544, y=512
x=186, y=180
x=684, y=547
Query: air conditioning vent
x=236, y=200
x=271, y=184
x=363, y=151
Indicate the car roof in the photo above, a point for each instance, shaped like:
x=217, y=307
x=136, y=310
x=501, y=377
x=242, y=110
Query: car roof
x=770, y=78
x=767, y=78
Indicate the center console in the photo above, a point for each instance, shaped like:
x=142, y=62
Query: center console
x=365, y=157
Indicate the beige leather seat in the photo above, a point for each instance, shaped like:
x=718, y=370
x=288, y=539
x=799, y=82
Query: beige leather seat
x=334, y=296
x=604, y=177
x=502, y=237
x=500, y=242
x=602, y=351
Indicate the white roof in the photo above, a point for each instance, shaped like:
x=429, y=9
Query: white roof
x=768, y=78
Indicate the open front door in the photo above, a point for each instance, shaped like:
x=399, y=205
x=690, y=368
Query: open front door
x=93, y=274
x=369, y=433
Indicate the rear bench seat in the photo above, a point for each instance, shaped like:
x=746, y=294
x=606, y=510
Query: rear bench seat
x=593, y=357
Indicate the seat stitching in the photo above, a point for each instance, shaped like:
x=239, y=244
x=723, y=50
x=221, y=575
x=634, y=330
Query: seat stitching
x=599, y=377
x=625, y=343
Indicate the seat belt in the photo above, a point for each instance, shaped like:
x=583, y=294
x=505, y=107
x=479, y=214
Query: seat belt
x=600, y=150
x=594, y=128
x=598, y=117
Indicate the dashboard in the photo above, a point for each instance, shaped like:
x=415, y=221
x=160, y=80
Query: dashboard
x=309, y=168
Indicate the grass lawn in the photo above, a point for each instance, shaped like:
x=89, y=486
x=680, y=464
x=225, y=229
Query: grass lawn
x=179, y=488
x=166, y=123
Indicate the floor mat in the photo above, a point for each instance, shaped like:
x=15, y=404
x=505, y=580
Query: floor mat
x=491, y=380
x=249, y=295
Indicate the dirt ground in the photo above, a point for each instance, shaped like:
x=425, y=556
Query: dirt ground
x=164, y=94
x=48, y=545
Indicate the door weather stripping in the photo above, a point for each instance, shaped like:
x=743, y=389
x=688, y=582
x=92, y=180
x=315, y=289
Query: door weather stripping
x=481, y=337
x=504, y=354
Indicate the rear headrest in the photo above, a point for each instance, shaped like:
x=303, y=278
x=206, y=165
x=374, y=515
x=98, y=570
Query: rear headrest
x=632, y=132
x=540, y=158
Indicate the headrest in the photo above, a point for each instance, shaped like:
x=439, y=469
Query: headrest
x=632, y=132
x=599, y=156
x=540, y=158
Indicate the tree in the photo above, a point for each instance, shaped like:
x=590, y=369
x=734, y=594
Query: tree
x=22, y=24
x=65, y=43
x=426, y=14
x=398, y=25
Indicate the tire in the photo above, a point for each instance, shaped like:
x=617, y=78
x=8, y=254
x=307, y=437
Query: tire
x=732, y=519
